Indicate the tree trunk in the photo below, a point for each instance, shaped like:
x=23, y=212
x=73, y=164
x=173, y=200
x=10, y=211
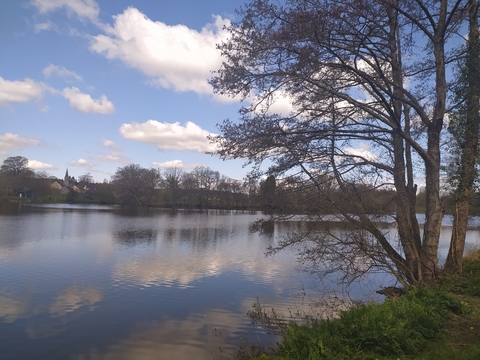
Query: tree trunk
x=434, y=211
x=469, y=146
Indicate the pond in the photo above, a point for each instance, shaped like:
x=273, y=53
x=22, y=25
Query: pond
x=107, y=282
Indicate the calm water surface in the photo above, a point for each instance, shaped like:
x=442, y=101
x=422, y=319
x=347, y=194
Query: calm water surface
x=102, y=282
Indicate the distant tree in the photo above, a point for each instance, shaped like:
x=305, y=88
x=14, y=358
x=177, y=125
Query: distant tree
x=42, y=175
x=40, y=182
x=15, y=165
x=15, y=174
x=172, y=178
x=135, y=184
x=267, y=192
x=189, y=186
x=87, y=178
x=231, y=191
x=207, y=179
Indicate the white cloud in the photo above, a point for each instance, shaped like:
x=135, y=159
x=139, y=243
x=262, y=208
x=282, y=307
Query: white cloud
x=88, y=9
x=109, y=144
x=113, y=157
x=85, y=103
x=280, y=103
x=169, y=136
x=172, y=56
x=11, y=141
x=167, y=164
x=81, y=162
x=47, y=25
x=20, y=91
x=363, y=150
x=38, y=165
x=61, y=72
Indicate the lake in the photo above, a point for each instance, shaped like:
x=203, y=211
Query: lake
x=108, y=282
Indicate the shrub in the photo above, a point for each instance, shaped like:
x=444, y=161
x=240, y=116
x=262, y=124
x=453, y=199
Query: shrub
x=397, y=327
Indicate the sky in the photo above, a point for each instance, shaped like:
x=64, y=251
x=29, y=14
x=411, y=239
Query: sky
x=96, y=85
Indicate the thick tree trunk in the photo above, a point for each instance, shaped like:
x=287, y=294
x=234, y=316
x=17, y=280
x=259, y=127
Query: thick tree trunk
x=469, y=146
x=434, y=211
x=407, y=229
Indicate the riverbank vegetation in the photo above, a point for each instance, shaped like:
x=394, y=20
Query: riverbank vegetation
x=202, y=188
x=437, y=322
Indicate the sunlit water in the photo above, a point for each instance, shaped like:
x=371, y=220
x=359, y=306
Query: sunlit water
x=101, y=282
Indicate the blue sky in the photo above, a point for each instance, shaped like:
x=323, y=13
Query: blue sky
x=96, y=85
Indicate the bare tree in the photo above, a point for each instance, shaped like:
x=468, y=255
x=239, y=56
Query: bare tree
x=368, y=84
x=172, y=181
x=87, y=178
x=135, y=184
x=15, y=165
x=15, y=174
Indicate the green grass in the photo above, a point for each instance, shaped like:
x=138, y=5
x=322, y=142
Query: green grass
x=441, y=322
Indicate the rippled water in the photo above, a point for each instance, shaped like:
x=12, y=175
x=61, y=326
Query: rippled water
x=102, y=282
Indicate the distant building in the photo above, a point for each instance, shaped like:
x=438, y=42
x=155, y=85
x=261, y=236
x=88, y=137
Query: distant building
x=25, y=192
x=65, y=187
x=66, y=179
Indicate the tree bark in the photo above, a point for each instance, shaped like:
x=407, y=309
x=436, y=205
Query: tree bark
x=469, y=146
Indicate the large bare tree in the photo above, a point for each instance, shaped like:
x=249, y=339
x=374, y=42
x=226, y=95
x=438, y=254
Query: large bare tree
x=368, y=84
x=135, y=184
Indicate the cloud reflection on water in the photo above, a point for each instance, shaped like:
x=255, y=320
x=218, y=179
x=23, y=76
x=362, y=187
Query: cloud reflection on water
x=183, y=265
x=74, y=298
x=12, y=309
x=199, y=336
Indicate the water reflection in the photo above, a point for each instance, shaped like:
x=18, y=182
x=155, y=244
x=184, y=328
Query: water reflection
x=12, y=309
x=98, y=282
x=199, y=336
x=136, y=237
x=74, y=298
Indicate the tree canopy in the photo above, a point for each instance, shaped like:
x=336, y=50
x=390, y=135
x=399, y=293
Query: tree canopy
x=134, y=183
x=15, y=165
x=369, y=90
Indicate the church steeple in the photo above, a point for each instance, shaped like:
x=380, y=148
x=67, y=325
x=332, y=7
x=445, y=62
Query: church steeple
x=66, y=180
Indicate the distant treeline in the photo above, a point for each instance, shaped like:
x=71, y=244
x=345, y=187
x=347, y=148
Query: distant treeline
x=201, y=188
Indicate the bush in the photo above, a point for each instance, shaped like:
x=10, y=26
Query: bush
x=397, y=327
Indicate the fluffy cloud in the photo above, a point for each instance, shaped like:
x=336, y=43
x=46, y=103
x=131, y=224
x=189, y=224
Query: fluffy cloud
x=86, y=9
x=167, y=164
x=85, y=103
x=173, y=56
x=109, y=144
x=280, y=103
x=61, y=72
x=20, y=91
x=11, y=141
x=81, y=162
x=168, y=136
x=38, y=165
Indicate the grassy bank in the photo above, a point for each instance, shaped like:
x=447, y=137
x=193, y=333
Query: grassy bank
x=441, y=322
